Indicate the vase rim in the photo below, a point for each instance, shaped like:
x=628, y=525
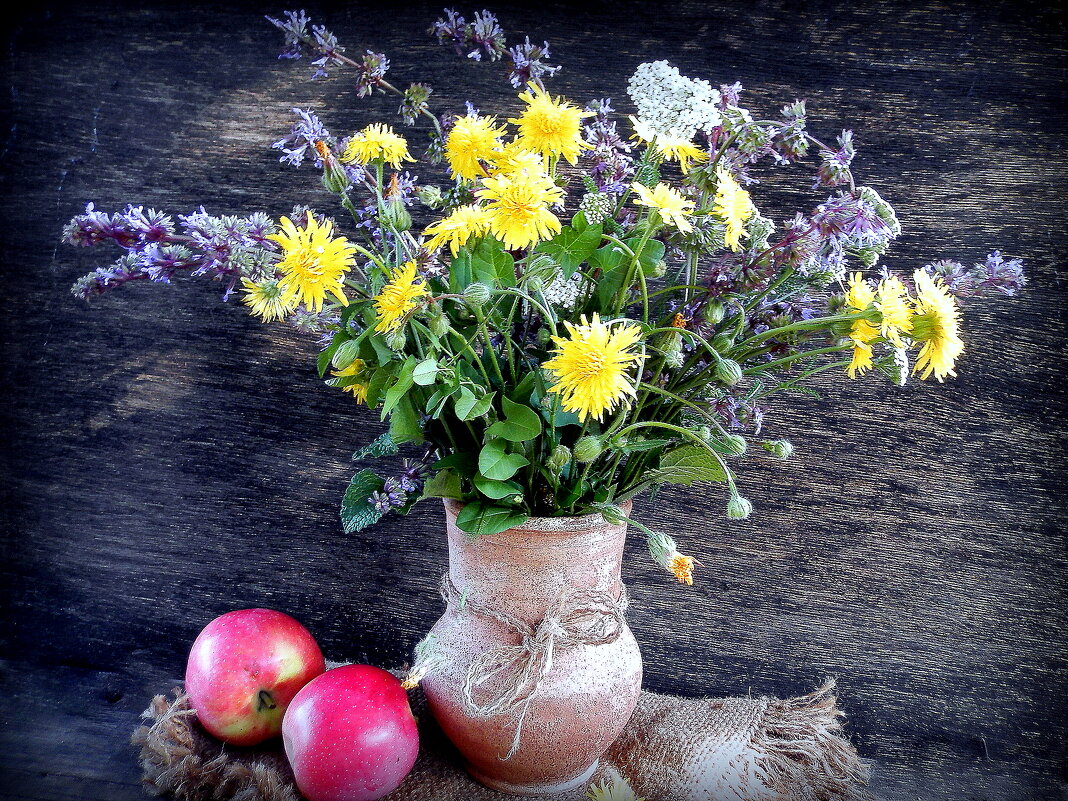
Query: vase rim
x=550, y=525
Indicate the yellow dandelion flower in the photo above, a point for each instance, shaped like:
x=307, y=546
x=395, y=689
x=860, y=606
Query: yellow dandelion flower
x=936, y=325
x=471, y=141
x=550, y=126
x=859, y=297
x=398, y=297
x=464, y=223
x=682, y=567
x=673, y=207
x=671, y=148
x=590, y=369
x=518, y=207
x=313, y=262
x=513, y=158
x=377, y=142
x=733, y=206
x=359, y=389
x=894, y=305
x=267, y=300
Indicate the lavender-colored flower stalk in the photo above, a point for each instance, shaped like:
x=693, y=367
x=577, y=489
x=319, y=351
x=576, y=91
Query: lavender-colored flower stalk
x=527, y=65
x=224, y=248
x=996, y=274
x=370, y=70
x=299, y=42
x=834, y=164
x=306, y=131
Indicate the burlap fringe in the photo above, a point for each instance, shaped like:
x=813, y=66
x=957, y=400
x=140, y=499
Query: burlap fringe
x=799, y=744
x=177, y=760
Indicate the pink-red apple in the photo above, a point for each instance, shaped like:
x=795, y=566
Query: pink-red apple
x=244, y=669
x=350, y=735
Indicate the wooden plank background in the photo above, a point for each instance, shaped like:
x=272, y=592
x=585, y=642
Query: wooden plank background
x=168, y=458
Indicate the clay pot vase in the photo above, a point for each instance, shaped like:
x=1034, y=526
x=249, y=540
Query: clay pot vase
x=584, y=699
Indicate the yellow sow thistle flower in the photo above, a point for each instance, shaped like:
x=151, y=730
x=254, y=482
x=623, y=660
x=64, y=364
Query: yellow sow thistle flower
x=456, y=229
x=471, y=141
x=266, y=300
x=672, y=148
x=513, y=158
x=359, y=389
x=377, y=142
x=859, y=297
x=673, y=207
x=518, y=208
x=895, y=307
x=400, y=296
x=936, y=325
x=590, y=368
x=550, y=126
x=313, y=262
x=733, y=206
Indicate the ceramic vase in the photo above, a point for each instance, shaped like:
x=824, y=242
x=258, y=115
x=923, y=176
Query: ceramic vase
x=512, y=597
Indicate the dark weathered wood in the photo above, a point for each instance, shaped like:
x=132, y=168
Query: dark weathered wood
x=168, y=458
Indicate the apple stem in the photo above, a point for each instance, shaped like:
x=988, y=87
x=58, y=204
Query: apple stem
x=266, y=701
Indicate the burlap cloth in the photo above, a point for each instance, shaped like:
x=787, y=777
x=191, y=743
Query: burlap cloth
x=673, y=749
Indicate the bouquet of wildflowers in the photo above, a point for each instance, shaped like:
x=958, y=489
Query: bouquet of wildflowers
x=591, y=304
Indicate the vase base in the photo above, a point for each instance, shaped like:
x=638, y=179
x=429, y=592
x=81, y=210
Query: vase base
x=557, y=788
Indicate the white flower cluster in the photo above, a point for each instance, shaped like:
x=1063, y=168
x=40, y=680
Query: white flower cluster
x=672, y=104
x=563, y=292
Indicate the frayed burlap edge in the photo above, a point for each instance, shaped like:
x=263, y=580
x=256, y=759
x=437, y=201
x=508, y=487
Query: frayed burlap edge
x=802, y=738
x=795, y=749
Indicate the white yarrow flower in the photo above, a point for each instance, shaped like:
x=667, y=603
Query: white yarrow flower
x=563, y=292
x=670, y=103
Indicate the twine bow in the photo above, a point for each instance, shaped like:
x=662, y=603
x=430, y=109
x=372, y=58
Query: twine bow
x=579, y=617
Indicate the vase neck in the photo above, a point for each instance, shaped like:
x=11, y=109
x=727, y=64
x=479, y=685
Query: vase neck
x=526, y=570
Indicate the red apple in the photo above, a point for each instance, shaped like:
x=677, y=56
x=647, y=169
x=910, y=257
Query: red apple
x=350, y=735
x=244, y=669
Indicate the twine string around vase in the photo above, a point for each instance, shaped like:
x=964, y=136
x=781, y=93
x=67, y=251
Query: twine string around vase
x=579, y=617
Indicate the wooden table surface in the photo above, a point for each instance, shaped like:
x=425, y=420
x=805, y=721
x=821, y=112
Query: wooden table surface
x=168, y=458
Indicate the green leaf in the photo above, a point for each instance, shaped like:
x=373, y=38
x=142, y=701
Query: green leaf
x=522, y=390
x=463, y=463
x=426, y=372
x=614, y=263
x=400, y=388
x=497, y=489
x=460, y=274
x=490, y=265
x=468, y=407
x=688, y=464
x=357, y=513
x=496, y=463
x=404, y=423
x=520, y=424
x=479, y=519
x=376, y=384
x=382, y=445
x=571, y=246
x=443, y=484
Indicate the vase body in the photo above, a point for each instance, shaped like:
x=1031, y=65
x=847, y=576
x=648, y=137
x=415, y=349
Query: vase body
x=582, y=702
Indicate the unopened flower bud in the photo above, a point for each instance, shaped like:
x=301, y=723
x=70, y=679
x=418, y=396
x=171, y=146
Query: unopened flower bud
x=613, y=515
x=477, y=295
x=735, y=443
x=778, y=447
x=439, y=325
x=396, y=216
x=545, y=336
x=587, y=449
x=396, y=340
x=704, y=432
x=738, y=508
x=728, y=371
x=722, y=343
x=535, y=284
x=659, y=269
x=559, y=458
x=334, y=178
x=430, y=196
x=714, y=312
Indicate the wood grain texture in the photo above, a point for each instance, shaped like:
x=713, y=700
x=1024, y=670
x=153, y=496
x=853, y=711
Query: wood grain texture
x=167, y=458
